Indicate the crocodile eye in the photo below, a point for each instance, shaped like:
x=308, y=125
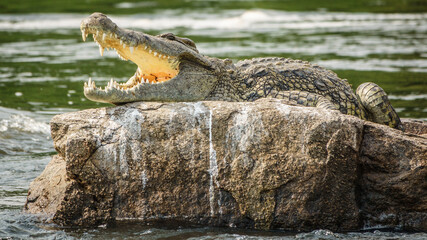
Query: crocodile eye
x=188, y=42
x=185, y=41
x=169, y=36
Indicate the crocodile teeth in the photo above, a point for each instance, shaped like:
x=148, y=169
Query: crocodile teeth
x=84, y=34
x=90, y=84
x=131, y=49
x=101, y=50
x=110, y=86
x=120, y=56
x=103, y=36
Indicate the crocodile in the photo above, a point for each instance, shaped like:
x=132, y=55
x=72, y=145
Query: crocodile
x=170, y=68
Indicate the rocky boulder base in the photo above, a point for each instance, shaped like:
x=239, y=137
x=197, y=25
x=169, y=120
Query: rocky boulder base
x=264, y=165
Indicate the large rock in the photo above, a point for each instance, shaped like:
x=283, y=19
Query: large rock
x=258, y=165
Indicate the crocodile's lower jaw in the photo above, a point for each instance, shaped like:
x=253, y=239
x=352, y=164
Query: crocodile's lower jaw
x=153, y=67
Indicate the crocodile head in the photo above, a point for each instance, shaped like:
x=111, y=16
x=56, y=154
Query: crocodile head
x=170, y=68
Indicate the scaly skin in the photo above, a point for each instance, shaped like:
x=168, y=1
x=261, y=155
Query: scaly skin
x=170, y=68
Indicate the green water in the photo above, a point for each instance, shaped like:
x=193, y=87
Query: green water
x=112, y=6
x=44, y=63
x=40, y=67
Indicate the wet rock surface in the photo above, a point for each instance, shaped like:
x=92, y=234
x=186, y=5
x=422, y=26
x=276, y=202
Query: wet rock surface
x=265, y=165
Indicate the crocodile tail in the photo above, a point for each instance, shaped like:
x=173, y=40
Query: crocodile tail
x=377, y=104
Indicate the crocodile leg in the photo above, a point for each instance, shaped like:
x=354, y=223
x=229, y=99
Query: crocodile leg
x=307, y=99
x=377, y=104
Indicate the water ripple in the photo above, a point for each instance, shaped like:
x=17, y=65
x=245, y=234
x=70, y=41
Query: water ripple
x=21, y=134
x=353, y=36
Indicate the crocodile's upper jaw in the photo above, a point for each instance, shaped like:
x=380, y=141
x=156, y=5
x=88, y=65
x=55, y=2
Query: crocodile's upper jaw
x=159, y=60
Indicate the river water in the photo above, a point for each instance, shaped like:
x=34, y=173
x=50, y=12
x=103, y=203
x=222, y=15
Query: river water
x=44, y=63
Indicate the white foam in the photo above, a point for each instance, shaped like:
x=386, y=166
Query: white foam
x=51, y=51
x=24, y=123
x=409, y=97
x=259, y=20
x=31, y=22
x=136, y=5
x=385, y=65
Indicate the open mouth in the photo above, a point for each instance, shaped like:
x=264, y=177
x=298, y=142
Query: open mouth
x=154, y=67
